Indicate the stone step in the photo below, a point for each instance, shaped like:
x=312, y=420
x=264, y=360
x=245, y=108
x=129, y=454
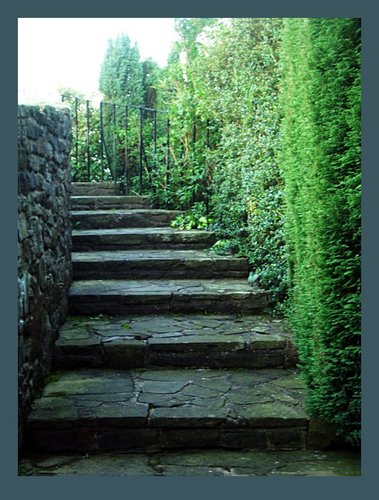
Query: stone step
x=142, y=238
x=154, y=410
x=228, y=463
x=109, y=202
x=118, y=297
x=156, y=264
x=94, y=189
x=109, y=219
x=212, y=341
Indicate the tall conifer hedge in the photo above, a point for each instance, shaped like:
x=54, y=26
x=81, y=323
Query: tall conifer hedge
x=320, y=159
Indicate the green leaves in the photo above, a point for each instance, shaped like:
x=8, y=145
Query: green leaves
x=228, y=89
x=121, y=76
x=320, y=160
x=195, y=219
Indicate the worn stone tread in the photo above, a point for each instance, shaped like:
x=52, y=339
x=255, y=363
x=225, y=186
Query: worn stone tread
x=174, y=340
x=196, y=463
x=85, y=202
x=91, y=297
x=163, y=409
x=141, y=238
x=101, y=219
x=94, y=188
x=156, y=264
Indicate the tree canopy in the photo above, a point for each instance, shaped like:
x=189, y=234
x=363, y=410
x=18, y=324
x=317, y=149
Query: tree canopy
x=121, y=75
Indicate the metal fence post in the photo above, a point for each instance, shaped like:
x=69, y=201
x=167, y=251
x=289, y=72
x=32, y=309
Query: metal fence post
x=114, y=148
x=168, y=154
x=76, y=132
x=87, y=142
x=207, y=169
x=101, y=141
x=140, y=148
x=126, y=162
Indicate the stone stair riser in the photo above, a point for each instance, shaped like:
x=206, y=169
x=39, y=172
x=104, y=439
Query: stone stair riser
x=94, y=189
x=159, y=269
x=179, y=240
x=156, y=304
x=133, y=218
x=127, y=354
x=137, y=440
x=109, y=202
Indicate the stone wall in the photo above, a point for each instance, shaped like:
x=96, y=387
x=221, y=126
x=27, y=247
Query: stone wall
x=44, y=242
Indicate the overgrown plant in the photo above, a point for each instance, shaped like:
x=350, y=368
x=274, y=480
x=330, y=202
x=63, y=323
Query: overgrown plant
x=224, y=78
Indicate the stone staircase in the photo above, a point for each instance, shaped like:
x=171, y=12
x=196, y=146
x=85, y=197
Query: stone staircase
x=167, y=346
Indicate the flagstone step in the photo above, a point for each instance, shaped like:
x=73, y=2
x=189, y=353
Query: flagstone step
x=196, y=463
x=212, y=341
x=153, y=410
x=141, y=238
x=118, y=297
x=94, y=189
x=109, y=202
x=156, y=264
x=107, y=219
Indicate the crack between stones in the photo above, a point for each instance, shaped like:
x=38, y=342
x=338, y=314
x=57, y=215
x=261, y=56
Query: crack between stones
x=166, y=393
x=156, y=467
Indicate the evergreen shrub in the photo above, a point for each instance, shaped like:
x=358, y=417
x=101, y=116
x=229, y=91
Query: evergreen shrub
x=320, y=159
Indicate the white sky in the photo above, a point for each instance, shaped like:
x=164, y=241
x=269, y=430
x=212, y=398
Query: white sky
x=54, y=52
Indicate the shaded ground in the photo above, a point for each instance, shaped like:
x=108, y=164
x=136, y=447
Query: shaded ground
x=197, y=463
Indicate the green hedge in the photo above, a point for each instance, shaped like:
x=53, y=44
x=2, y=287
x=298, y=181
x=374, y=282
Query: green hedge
x=320, y=159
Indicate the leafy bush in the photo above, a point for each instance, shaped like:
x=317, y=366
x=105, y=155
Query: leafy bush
x=228, y=88
x=194, y=219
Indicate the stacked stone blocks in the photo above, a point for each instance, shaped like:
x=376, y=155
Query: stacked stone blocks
x=44, y=242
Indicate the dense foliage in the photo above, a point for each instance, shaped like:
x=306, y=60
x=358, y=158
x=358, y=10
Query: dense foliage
x=320, y=158
x=222, y=91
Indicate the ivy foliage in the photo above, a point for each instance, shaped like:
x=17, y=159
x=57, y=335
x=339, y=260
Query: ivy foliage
x=320, y=158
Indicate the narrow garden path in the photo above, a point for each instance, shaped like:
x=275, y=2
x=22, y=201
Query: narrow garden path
x=167, y=355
